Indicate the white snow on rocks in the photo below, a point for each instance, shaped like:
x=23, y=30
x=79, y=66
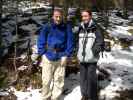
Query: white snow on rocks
x=121, y=75
x=119, y=63
x=31, y=95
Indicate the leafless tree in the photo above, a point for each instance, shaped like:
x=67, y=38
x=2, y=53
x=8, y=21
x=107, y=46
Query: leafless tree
x=0, y=20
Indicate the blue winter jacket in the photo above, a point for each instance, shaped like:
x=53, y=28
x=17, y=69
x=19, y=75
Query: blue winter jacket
x=55, y=36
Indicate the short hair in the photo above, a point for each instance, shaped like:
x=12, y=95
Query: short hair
x=57, y=10
x=87, y=10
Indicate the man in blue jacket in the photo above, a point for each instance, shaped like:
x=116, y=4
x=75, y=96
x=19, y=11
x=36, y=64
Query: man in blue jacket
x=55, y=44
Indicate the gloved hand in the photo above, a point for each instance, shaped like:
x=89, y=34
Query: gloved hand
x=63, y=61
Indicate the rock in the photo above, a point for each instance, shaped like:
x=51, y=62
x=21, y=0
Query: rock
x=103, y=74
x=124, y=95
x=7, y=96
x=7, y=39
x=131, y=18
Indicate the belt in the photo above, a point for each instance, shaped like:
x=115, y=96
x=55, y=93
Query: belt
x=54, y=49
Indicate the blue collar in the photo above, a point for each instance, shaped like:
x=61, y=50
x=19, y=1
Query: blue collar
x=62, y=24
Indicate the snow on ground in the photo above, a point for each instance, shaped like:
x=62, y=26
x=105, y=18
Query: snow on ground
x=118, y=27
x=4, y=93
x=36, y=5
x=30, y=94
x=72, y=88
x=118, y=62
x=121, y=68
x=121, y=32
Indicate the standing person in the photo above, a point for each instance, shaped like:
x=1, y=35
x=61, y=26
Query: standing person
x=90, y=43
x=55, y=44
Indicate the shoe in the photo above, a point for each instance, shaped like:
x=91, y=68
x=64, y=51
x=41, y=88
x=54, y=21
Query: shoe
x=49, y=98
x=85, y=98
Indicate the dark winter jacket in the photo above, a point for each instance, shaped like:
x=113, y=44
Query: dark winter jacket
x=90, y=42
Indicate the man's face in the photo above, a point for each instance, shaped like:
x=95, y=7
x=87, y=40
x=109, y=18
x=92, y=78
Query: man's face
x=57, y=17
x=85, y=17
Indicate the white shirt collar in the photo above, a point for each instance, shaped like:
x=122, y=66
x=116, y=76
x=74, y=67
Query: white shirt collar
x=90, y=23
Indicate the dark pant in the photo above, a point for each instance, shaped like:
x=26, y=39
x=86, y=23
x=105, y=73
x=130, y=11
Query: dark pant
x=88, y=80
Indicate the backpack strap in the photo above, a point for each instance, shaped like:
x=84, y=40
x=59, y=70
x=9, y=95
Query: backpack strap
x=48, y=31
x=49, y=27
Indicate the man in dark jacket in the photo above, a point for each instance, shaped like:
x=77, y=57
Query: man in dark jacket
x=55, y=44
x=90, y=43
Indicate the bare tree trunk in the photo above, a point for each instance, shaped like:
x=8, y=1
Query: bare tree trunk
x=15, y=45
x=94, y=5
x=87, y=4
x=1, y=2
x=119, y=4
x=65, y=8
x=125, y=15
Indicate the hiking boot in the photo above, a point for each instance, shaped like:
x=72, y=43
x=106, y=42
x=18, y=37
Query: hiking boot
x=48, y=98
x=85, y=98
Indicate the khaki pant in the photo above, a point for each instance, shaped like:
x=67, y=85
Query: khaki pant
x=52, y=78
